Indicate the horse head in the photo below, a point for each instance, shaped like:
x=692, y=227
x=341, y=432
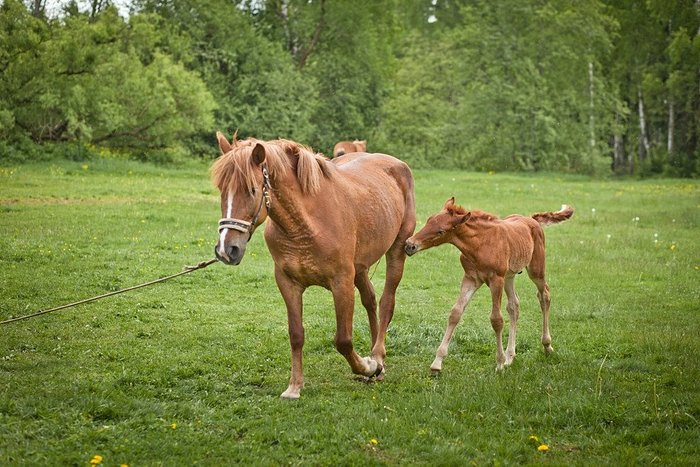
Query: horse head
x=438, y=229
x=242, y=178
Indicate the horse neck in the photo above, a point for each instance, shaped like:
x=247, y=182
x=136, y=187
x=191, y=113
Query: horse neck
x=468, y=237
x=287, y=209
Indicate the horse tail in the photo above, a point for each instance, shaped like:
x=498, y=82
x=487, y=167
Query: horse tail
x=548, y=218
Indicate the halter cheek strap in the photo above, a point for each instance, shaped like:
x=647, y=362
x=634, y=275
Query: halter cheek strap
x=245, y=226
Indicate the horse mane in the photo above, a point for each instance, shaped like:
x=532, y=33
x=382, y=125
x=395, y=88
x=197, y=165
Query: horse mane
x=476, y=214
x=236, y=169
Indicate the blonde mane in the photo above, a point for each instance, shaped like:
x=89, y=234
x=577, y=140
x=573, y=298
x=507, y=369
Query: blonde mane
x=236, y=170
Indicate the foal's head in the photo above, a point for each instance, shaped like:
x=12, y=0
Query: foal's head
x=241, y=175
x=439, y=228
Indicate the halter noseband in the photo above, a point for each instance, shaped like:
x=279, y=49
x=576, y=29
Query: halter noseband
x=245, y=226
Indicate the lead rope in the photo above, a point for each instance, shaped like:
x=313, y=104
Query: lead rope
x=187, y=270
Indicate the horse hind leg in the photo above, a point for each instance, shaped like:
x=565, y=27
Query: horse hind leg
x=513, y=308
x=395, y=259
x=543, y=295
x=344, y=301
x=369, y=301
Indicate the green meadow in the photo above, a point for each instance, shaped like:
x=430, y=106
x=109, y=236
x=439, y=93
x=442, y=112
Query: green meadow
x=190, y=371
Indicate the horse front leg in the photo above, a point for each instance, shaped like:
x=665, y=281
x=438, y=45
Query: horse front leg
x=292, y=294
x=496, y=285
x=469, y=286
x=344, y=300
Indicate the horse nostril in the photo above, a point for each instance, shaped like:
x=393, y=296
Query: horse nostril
x=410, y=248
x=233, y=251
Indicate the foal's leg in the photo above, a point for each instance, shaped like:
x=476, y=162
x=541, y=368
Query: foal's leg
x=395, y=259
x=513, y=308
x=469, y=286
x=536, y=272
x=369, y=301
x=496, y=285
x=292, y=295
x=343, y=290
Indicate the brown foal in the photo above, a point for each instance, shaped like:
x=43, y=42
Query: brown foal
x=493, y=251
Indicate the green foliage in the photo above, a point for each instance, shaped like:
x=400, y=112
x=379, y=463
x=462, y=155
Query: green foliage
x=190, y=371
x=85, y=80
x=509, y=86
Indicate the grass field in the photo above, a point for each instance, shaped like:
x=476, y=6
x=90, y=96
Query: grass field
x=190, y=371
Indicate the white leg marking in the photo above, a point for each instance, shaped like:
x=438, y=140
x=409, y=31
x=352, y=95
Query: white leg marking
x=222, y=237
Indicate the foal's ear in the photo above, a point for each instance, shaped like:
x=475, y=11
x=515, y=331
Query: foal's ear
x=258, y=154
x=449, y=203
x=465, y=218
x=224, y=145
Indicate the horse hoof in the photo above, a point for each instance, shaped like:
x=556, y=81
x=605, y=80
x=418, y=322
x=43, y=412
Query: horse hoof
x=374, y=367
x=548, y=350
x=381, y=375
x=435, y=372
x=290, y=395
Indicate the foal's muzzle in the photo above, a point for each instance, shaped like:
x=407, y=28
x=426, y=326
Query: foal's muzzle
x=410, y=248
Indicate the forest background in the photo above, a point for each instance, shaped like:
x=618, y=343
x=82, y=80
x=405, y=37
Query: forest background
x=587, y=86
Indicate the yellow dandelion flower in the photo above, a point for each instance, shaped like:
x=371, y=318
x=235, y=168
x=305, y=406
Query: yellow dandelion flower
x=173, y=426
x=96, y=460
x=534, y=438
x=373, y=441
x=543, y=448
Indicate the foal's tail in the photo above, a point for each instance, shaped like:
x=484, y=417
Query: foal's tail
x=547, y=218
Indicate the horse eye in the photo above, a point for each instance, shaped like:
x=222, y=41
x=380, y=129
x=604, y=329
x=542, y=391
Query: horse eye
x=441, y=232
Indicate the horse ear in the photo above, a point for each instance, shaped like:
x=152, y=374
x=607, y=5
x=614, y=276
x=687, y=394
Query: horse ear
x=449, y=203
x=224, y=145
x=258, y=154
x=465, y=218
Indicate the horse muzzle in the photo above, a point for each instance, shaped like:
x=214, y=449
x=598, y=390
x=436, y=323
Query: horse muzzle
x=411, y=248
x=229, y=254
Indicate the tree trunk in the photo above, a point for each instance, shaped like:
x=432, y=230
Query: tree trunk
x=317, y=34
x=643, y=140
x=618, y=147
x=669, y=145
x=39, y=8
x=591, y=115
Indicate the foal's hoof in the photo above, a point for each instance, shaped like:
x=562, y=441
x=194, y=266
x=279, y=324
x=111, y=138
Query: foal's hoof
x=548, y=349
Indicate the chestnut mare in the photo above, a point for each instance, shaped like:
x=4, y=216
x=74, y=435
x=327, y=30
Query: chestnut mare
x=493, y=251
x=346, y=147
x=329, y=221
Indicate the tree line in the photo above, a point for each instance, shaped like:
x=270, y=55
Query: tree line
x=590, y=86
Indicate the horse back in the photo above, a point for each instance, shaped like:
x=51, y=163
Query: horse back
x=377, y=191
